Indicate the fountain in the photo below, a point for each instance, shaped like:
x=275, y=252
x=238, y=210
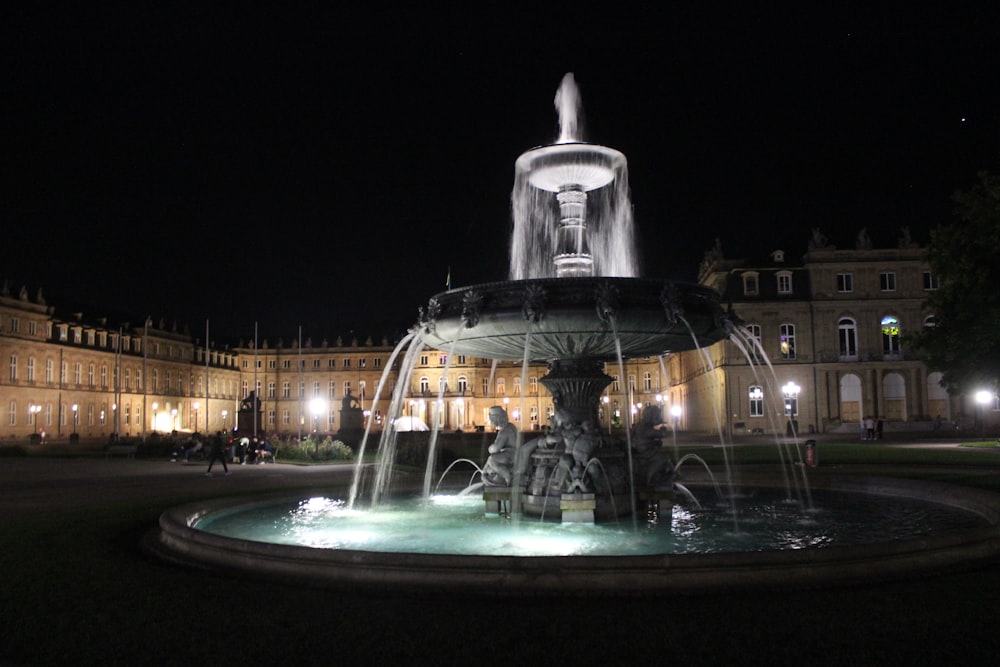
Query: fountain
x=573, y=301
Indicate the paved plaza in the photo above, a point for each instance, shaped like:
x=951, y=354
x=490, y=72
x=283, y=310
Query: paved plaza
x=937, y=620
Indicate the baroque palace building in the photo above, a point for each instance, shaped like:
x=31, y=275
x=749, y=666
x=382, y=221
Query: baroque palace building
x=832, y=326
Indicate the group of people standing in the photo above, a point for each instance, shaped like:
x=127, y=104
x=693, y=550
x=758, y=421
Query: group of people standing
x=871, y=428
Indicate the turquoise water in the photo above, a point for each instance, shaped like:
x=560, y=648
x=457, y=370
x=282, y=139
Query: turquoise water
x=765, y=520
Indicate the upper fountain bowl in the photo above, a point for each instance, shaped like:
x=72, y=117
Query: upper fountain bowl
x=573, y=318
x=580, y=165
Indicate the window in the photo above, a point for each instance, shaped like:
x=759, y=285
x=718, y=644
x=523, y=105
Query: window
x=362, y=362
x=286, y=417
x=316, y=390
x=460, y=360
x=845, y=282
x=930, y=281
x=377, y=362
x=785, y=282
x=12, y=414
x=756, y=347
x=425, y=385
x=270, y=389
x=756, y=396
x=423, y=359
x=104, y=377
x=887, y=281
x=13, y=368
x=286, y=390
x=286, y=363
x=615, y=384
x=501, y=387
x=647, y=381
x=332, y=389
x=272, y=364
x=347, y=363
x=517, y=385
x=787, y=332
x=463, y=384
x=302, y=389
x=442, y=359
x=890, y=336
x=486, y=386
x=631, y=383
x=78, y=373
x=315, y=363
x=48, y=371
x=31, y=369
x=90, y=375
x=533, y=385
x=347, y=387
x=847, y=332
x=750, y=284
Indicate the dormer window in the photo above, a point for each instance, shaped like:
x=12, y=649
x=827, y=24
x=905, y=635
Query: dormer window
x=778, y=256
x=750, y=284
x=784, y=282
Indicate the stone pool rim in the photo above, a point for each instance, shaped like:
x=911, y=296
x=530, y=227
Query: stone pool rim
x=177, y=541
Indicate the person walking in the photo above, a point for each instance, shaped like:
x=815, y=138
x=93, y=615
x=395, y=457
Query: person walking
x=217, y=452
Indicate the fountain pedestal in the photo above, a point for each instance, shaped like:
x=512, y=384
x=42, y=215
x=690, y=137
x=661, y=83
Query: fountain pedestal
x=577, y=507
x=497, y=500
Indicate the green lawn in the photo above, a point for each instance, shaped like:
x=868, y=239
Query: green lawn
x=75, y=588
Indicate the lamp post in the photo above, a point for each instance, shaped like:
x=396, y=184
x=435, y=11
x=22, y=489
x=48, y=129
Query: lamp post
x=33, y=410
x=196, y=405
x=225, y=413
x=983, y=398
x=173, y=419
x=607, y=410
x=317, y=406
x=76, y=417
x=155, y=406
x=791, y=392
x=675, y=414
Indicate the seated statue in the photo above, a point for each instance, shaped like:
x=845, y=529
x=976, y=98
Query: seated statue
x=651, y=462
x=349, y=402
x=498, y=470
x=251, y=403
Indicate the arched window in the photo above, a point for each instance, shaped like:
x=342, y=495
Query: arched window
x=848, y=333
x=890, y=336
x=756, y=396
x=787, y=332
x=425, y=385
x=463, y=384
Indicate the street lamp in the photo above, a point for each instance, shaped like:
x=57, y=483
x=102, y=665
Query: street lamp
x=225, y=413
x=983, y=399
x=317, y=406
x=607, y=410
x=173, y=419
x=76, y=417
x=675, y=414
x=791, y=392
x=155, y=406
x=33, y=410
x=196, y=405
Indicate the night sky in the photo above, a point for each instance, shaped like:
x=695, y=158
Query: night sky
x=288, y=165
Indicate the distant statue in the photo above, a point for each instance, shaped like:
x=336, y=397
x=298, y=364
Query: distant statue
x=652, y=463
x=863, y=242
x=905, y=239
x=251, y=403
x=818, y=240
x=498, y=469
x=349, y=402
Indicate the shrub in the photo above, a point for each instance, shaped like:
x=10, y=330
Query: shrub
x=313, y=448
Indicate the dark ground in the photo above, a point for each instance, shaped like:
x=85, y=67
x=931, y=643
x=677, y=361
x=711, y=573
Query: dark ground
x=76, y=588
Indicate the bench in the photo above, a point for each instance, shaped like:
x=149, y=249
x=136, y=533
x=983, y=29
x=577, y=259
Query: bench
x=124, y=450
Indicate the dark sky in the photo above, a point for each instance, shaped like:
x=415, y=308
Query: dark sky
x=290, y=165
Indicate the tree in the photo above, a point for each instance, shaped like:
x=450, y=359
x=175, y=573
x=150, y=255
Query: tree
x=964, y=343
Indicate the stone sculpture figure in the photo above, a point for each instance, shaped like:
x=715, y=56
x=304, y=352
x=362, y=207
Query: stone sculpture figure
x=499, y=467
x=652, y=463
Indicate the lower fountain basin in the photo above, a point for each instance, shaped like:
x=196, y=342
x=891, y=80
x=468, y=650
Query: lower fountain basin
x=567, y=318
x=970, y=536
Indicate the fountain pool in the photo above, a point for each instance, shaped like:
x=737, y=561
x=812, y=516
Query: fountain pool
x=446, y=544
